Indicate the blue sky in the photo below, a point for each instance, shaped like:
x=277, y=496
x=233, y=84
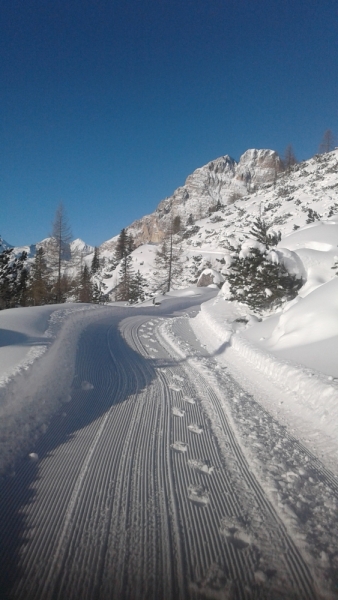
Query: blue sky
x=108, y=105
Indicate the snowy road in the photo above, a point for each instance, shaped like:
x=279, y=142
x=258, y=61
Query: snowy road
x=143, y=488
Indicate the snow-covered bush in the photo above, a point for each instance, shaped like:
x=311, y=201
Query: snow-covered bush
x=258, y=276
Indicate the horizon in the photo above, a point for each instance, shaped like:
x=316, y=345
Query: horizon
x=109, y=108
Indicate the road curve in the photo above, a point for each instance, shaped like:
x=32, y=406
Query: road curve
x=141, y=489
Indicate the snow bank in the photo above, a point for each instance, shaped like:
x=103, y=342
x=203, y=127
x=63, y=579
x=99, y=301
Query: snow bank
x=31, y=396
x=310, y=398
x=310, y=319
x=23, y=338
x=315, y=245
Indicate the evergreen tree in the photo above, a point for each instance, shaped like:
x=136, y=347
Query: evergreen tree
x=312, y=216
x=13, y=279
x=124, y=247
x=85, y=293
x=99, y=288
x=258, y=282
x=121, y=246
x=5, y=278
x=22, y=289
x=130, y=244
x=61, y=237
x=96, y=261
x=254, y=278
x=126, y=275
x=333, y=209
x=138, y=286
x=260, y=232
x=39, y=284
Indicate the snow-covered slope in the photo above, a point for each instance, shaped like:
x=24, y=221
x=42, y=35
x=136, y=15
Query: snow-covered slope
x=4, y=245
x=256, y=186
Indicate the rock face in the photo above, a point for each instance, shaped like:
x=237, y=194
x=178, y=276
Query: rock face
x=220, y=181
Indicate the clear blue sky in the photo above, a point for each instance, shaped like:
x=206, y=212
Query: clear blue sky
x=108, y=105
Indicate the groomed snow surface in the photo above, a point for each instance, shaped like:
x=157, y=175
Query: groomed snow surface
x=158, y=476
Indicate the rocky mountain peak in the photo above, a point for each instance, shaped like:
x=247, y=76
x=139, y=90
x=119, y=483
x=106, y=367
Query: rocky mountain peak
x=259, y=166
x=222, y=180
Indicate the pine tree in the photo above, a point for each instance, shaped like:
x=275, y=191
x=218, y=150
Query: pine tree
x=124, y=247
x=85, y=293
x=121, y=246
x=97, y=293
x=312, y=216
x=138, y=287
x=39, y=284
x=126, y=275
x=130, y=244
x=333, y=209
x=5, y=278
x=96, y=261
x=61, y=237
x=256, y=281
x=13, y=279
x=260, y=232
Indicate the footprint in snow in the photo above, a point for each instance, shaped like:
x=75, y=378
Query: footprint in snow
x=200, y=465
x=178, y=412
x=189, y=400
x=234, y=532
x=33, y=456
x=179, y=446
x=194, y=428
x=86, y=386
x=198, y=495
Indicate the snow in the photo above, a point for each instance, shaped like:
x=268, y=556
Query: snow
x=310, y=320
x=22, y=337
x=296, y=383
x=81, y=247
x=293, y=350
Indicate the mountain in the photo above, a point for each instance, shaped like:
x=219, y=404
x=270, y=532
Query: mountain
x=255, y=186
x=218, y=203
x=221, y=180
x=4, y=245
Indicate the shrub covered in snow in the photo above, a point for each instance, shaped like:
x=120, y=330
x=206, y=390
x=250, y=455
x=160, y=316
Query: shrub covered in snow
x=258, y=276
